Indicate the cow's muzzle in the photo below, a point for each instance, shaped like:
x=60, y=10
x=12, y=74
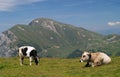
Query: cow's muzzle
x=81, y=60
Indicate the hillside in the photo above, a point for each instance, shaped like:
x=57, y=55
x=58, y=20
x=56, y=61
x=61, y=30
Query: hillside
x=54, y=39
x=112, y=44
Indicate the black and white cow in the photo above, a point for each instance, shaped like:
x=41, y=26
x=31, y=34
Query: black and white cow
x=28, y=51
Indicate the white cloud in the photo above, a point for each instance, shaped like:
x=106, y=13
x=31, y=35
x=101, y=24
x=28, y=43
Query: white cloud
x=7, y=5
x=114, y=23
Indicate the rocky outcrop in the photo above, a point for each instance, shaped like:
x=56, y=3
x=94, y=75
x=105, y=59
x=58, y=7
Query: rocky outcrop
x=7, y=40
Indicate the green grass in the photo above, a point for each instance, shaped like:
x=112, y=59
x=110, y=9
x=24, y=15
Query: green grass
x=54, y=67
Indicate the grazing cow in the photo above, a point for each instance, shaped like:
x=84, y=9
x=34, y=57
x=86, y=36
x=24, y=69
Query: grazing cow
x=95, y=59
x=28, y=51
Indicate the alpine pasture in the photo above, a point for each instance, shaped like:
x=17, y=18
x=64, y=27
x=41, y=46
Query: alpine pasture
x=57, y=67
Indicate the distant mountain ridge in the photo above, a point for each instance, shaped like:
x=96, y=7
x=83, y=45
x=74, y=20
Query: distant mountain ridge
x=54, y=39
x=111, y=31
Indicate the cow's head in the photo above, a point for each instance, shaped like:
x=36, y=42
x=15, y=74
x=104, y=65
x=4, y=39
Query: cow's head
x=36, y=60
x=85, y=57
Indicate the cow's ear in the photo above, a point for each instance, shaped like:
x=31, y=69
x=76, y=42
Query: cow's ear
x=89, y=55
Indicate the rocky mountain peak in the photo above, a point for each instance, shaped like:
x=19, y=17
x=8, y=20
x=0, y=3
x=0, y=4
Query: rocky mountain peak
x=44, y=22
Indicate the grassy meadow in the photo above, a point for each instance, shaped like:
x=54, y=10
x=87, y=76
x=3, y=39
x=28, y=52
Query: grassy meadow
x=55, y=67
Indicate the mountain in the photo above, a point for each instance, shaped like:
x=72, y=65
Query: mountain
x=54, y=39
x=112, y=44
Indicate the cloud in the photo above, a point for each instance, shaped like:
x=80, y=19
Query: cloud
x=8, y=5
x=114, y=23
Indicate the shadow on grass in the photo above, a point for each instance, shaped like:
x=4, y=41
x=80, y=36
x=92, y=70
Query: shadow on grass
x=2, y=67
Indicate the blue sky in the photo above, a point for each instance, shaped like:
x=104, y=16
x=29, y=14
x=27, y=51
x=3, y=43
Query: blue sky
x=95, y=15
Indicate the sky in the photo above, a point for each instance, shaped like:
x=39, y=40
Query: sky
x=95, y=15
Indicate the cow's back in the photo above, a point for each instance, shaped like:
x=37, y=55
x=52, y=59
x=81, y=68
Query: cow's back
x=106, y=58
x=25, y=50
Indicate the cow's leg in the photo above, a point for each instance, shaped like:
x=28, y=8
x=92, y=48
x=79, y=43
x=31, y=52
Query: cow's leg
x=30, y=60
x=88, y=64
x=21, y=60
x=96, y=63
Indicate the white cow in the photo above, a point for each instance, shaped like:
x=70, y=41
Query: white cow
x=95, y=59
x=28, y=51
